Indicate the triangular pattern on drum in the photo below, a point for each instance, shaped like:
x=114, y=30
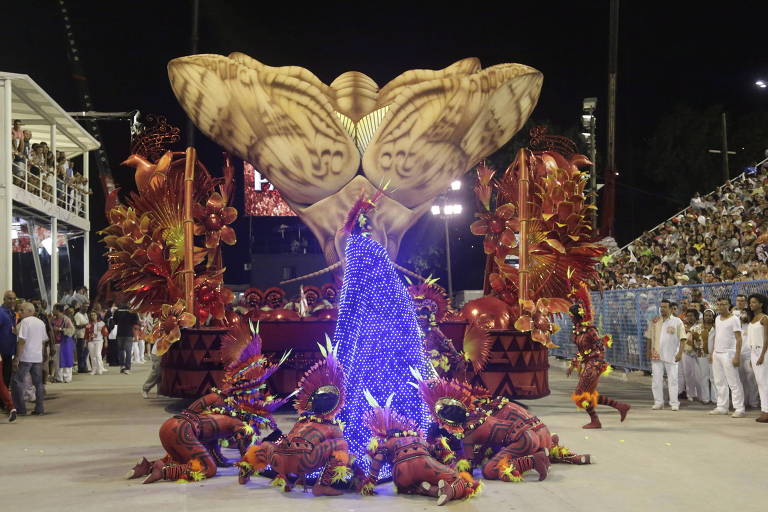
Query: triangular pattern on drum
x=176, y=384
x=514, y=357
x=200, y=343
x=207, y=383
x=505, y=387
x=497, y=345
x=527, y=357
x=522, y=341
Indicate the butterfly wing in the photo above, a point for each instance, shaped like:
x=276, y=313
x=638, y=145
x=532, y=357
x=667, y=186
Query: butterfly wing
x=435, y=130
x=279, y=119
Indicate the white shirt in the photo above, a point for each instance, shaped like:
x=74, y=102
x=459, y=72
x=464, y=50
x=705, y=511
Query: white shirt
x=725, y=333
x=32, y=330
x=744, y=329
x=97, y=327
x=80, y=319
x=756, y=335
x=672, y=330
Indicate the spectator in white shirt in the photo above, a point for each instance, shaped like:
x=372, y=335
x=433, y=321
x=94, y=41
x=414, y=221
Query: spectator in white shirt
x=726, y=359
x=95, y=339
x=29, y=358
x=665, y=349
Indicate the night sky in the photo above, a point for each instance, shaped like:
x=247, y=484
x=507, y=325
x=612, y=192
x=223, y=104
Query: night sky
x=701, y=55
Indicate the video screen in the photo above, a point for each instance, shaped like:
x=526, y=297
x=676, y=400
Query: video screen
x=261, y=198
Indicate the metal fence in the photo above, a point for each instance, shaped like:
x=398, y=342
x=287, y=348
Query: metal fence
x=624, y=314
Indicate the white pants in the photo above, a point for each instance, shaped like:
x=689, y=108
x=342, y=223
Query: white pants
x=657, y=383
x=138, y=351
x=64, y=374
x=706, y=387
x=761, y=376
x=691, y=372
x=727, y=376
x=748, y=382
x=94, y=354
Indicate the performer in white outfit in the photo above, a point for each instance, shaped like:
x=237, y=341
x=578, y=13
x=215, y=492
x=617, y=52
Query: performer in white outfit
x=706, y=330
x=726, y=359
x=758, y=342
x=665, y=350
x=690, y=362
x=746, y=374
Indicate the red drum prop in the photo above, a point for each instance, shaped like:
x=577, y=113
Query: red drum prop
x=518, y=367
x=193, y=364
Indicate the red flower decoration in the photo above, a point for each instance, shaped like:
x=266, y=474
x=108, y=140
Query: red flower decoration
x=168, y=329
x=211, y=297
x=211, y=220
x=499, y=228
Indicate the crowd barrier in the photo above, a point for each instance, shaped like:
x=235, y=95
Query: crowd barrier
x=625, y=314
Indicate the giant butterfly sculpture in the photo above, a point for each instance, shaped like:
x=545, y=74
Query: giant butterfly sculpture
x=321, y=144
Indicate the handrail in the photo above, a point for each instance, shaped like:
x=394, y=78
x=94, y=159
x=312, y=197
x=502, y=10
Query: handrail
x=56, y=191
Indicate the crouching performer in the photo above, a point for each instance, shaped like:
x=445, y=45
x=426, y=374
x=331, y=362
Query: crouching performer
x=397, y=441
x=236, y=412
x=316, y=441
x=465, y=435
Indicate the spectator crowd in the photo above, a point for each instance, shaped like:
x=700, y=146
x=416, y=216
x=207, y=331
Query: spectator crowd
x=40, y=347
x=33, y=165
x=720, y=237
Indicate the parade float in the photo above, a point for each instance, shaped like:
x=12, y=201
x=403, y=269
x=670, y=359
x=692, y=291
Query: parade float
x=325, y=147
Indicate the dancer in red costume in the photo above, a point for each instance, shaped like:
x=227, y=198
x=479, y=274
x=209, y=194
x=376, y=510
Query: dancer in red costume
x=465, y=434
x=237, y=412
x=316, y=441
x=397, y=441
x=590, y=359
x=431, y=304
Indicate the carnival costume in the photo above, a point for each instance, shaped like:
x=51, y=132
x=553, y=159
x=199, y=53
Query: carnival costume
x=397, y=441
x=589, y=359
x=509, y=410
x=236, y=412
x=466, y=432
x=431, y=304
x=316, y=441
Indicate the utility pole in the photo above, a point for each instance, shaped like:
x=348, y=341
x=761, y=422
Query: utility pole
x=610, y=172
x=724, y=151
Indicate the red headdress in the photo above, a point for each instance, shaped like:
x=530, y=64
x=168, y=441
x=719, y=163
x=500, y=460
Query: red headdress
x=383, y=420
x=449, y=401
x=321, y=390
x=245, y=375
x=357, y=218
x=579, y=296
x=432, y=296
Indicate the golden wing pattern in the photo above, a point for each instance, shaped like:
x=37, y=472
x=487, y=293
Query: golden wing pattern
x=418, y=132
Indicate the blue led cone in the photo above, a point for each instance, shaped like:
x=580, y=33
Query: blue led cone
x=379, y=339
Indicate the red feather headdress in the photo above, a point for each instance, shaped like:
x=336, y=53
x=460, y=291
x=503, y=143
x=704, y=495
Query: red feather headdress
x=357, y=218
x=579, y=295
x=432, y=296
x=382, y=420
x=325, y=373
x=440, y=393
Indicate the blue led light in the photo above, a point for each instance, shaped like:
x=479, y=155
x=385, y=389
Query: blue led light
x=379, y=340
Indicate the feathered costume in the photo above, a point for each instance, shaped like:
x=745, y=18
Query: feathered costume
x=466, y=432
x=431, y=304
x=236, y=412
x=590, y=357
x=316, y=441
x=397, y=440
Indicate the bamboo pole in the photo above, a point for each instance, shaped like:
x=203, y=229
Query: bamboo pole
x=189, y=270
x=523, y=208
